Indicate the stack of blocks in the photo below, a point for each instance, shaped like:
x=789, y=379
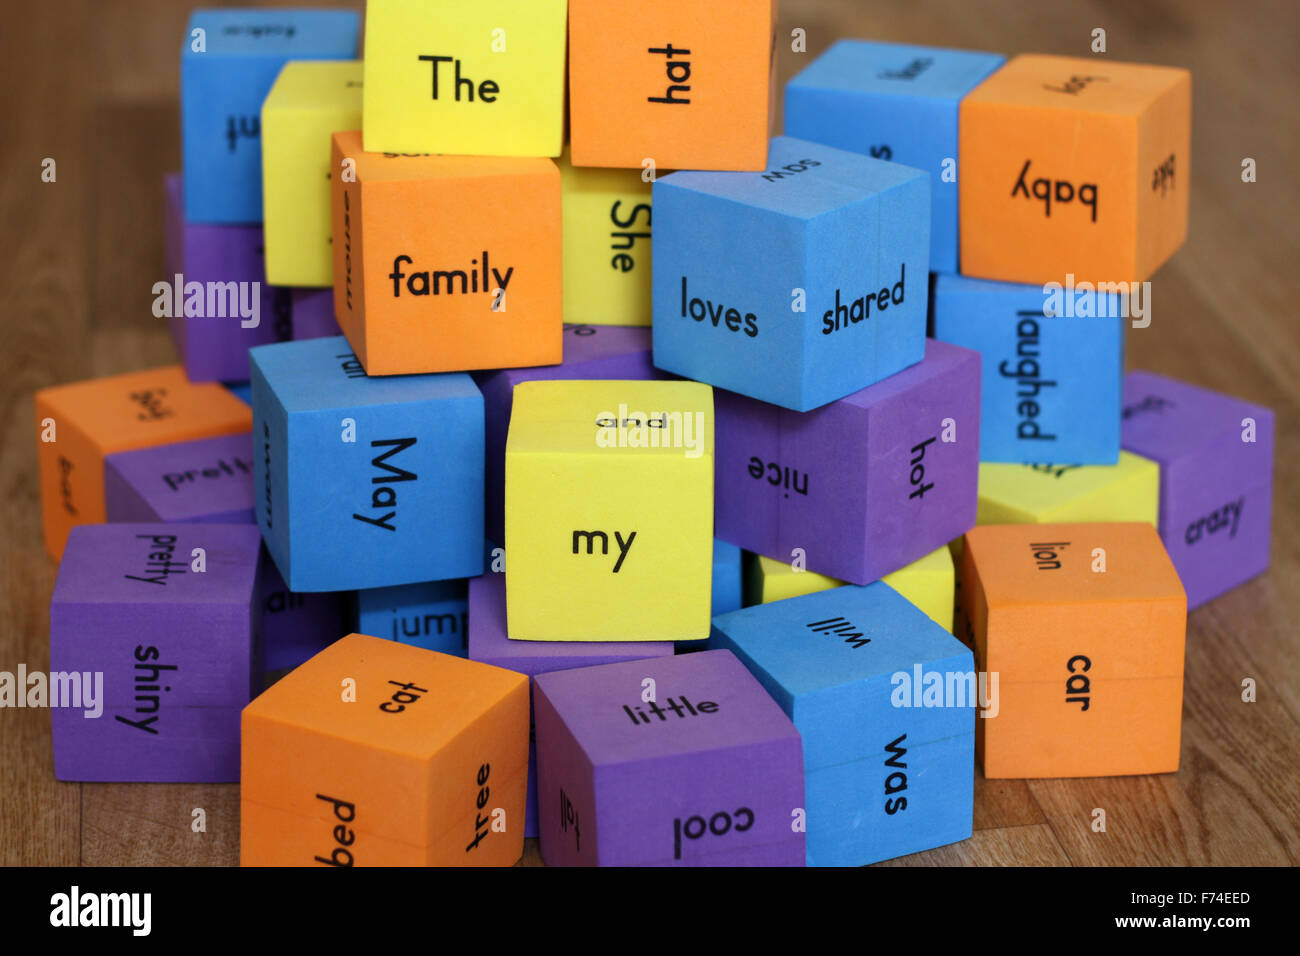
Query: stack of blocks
x=353, y=238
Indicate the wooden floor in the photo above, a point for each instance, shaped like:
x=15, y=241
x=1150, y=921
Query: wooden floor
x=94, y=86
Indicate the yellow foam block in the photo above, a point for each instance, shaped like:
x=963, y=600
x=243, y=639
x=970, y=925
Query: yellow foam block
x=310, y=101
x=927, y=582
x=1038, y=494
x=606, y=245
x=609, y=511
x=470, y=79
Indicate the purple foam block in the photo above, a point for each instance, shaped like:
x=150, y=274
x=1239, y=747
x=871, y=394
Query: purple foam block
x=215, y=348
x=488, y=643
x=864, y=485
x=1216, y=478
x=296, y=627
x=313, y=314
x=209, y=481
x=671, y=761
x=590, y=352
x=176, y=649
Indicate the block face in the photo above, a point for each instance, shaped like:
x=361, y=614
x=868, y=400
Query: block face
x=606, y=231
x=206, y=481
x=365, y=482
x=685, y=85
x=1048, y=493
x=432, y=615
x=489, y=643
x=415, y=766
x=309, y=102
x=590, y=351
x=1038, y=371
x=85, y=421
x=864, y=485
x=1212, y=480
x=634, y=775
x=479, y=288
x=447, y=77
x=1090, y=664
x=223, y=84
x=1035, y=207
x=888, y=759
x=213, y=323
x=585, y=541
x=175, y=650
x=894, y=102
x=735, y=251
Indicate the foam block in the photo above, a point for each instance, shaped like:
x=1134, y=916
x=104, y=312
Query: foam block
x=684, y=84
x=164, y=615
x=79, y=424
x=364, y=482
x=1039, y=371
x=229, y=60
x=1035, y=207
x=726, y=578
x=1047, y=494
x=1215, y=455
x=479, y=79
x=310, y=101
x=376, y=753
x=888, y=749
x=489, y=643
x=894, y=102
x=606, y=214
x=477, y=285
x=1085, y=625
x=590, y=351
x=795, y=286
x=586, y=542
x=927, y=582
x=864, y=486
x=209, y=481
x=432, y=615
x=212, y=346
x=704, y=772
x=296, y=627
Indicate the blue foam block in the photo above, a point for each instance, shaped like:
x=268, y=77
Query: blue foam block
x=229, y=61
x=894, y=102
x=726, y=579
x=795, y=286
x=399, y=503
x=433, y=615
x=886, y=775
x=1066, y=407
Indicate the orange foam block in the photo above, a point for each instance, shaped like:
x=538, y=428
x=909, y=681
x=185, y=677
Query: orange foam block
x=683, y=83
x=80, y=423
x=446, y=263
x=375, y=753
x=1074, y=167
x=1081, y=630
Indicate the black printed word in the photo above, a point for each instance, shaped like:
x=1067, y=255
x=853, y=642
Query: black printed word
x=386, y=497
x=719, y=825
x=418, y=283
x=149, y=688
x=699, y=309
x=840, y=627
x=860, y=309
x=623, y=546
x=1046, y=555
x=779, y=476
x=343, y=836
x=681, y=707
x=487, y=90
x=623, y=262
x=896, y=782
x=679, y=71
x=1077, y=683
x=1061, y=190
